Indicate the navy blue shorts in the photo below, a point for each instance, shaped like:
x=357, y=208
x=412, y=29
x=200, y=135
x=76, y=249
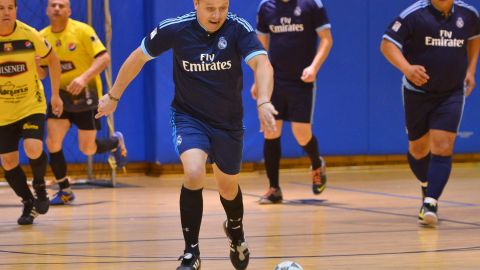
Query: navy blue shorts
x=223, y=147
x=294, y=101
x=426, y=111
x=30, y=127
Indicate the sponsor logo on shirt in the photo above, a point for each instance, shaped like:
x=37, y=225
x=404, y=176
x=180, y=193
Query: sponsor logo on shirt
x=67, y=66
x=9, y=69
x=7, y=47
x=396, y=26
x=286, y=26
x=207, y=64
x=9, y=89
x=29, y=126
x=72, y=47
x=445, y=40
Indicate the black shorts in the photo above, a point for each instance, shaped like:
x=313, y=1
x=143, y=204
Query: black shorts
x=30, y=127
x=426, y=111
x=294, y=101
x=83, y=120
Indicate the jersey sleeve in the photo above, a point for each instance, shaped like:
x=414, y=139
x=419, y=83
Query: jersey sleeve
x=320, y=17
x=91, y=41
x=475, y=28
x=399, y=30
x=262, y=25
x=159, y=40
x=42, y=46
x=248, y=44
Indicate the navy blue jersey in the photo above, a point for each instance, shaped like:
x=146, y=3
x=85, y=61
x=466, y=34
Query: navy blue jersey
x=293, y=28
x=207, y=67
x=436, y=42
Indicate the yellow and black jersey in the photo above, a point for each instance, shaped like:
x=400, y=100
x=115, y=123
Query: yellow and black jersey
x=21, y=91
x=76, y=47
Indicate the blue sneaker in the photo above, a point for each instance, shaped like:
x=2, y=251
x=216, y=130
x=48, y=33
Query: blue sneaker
x=120, y=154
x=62, y=198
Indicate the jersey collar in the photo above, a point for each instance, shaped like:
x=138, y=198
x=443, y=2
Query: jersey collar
x=204, y=32
x=439, y=14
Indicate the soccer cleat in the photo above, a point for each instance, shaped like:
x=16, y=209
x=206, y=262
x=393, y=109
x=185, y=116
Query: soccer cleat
x=319, y=178
x=273, y=195
x=62, y=197
x=239, y=253
x=29, y=213
x=42, y=202
x=120, y=154
x=428, y=215
x=189, y=262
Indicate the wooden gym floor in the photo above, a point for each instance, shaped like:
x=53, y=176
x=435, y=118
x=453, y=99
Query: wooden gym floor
x=366, y=219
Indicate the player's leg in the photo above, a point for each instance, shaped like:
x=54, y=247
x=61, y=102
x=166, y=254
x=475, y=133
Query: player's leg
x=444, y=123
x=192, y=145
x=226, y=152
x=9, y=138
x=33, y=132
x=89, y=144
x=57, y=128
x=272, y=153
x=418, y=157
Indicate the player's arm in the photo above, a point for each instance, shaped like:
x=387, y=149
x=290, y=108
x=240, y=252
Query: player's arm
x=414, y=73
x=473, y=47
x=263, y=73
x=42, y=72
x=129, y=70
x=99, y=64
x=326, y=42
x=55, y=71
x=265, y=41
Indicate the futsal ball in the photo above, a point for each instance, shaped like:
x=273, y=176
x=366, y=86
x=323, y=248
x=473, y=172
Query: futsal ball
x=288, y=265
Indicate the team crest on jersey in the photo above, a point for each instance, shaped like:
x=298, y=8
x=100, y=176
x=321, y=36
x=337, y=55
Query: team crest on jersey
x=28, y=44
x=72, y=47
x=179, y=140
x=222, y=43
x=58, y=43
x=297, y=11
x=7, y=47
x=460, y=22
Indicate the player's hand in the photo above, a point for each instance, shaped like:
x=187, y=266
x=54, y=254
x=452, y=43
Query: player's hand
x=253, y=91
x=266, y=112
x=106, y=106
x=76, y=86
x=469, y=83
x=309, y=74
x=57, y=105
x=417, y=74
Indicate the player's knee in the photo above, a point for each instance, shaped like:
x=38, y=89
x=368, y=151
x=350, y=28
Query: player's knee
x=194, y=174
x=9, y=162
x=87, y=149
x=52, y=145
x=442, y=147
x=419, y=151
x=33, y=149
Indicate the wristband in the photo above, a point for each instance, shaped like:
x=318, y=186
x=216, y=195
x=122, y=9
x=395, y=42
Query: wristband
x=263, y=103
x=112, y=97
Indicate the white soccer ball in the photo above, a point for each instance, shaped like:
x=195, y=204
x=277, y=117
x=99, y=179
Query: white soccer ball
x=288, y=265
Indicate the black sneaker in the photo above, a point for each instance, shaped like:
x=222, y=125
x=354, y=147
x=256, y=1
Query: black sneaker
x=42, y=202
x=273, y=195
x=319, y=178
x=29, y=213
x=239, y=253
x=189, y=262
x=428, y=215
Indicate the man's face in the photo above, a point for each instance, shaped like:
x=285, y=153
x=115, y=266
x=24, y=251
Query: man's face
x=8, y=14
x=211, y=13
x=443, y=5
x=58, y=10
